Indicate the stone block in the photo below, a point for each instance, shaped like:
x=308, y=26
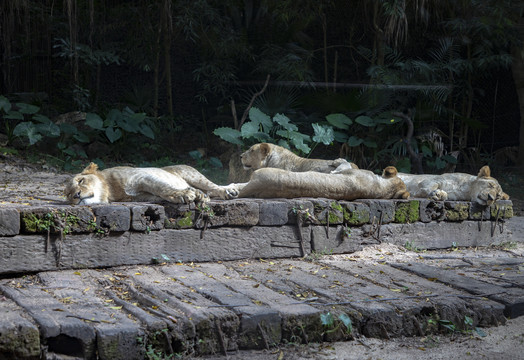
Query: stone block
x=272, y=213
x=431, y=210
x=113, y=217
x=407, y=211
x=328, y=211
x=55, y=220
x=380, y=211
x=456, y=210
x=355, y=214
x=479, y=212
x=9, y=222
x=335, y=240
x=19, y=338
x=147, y=217
x=296, y=206
x=502, y=209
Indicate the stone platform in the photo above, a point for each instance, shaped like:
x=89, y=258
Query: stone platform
x=121, y=281
x=53, y=237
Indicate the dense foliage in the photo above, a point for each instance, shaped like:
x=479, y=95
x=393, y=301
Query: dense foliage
x=160, y=79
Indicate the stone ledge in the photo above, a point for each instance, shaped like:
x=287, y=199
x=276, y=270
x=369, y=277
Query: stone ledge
x=67, y=237
x=140, y=217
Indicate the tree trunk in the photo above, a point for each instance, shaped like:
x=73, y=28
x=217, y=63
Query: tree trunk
x=518, y=76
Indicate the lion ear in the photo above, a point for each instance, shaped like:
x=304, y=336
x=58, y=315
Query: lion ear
x=90, y=169
x=484, y=172
x=389, y=172
x=265, y=149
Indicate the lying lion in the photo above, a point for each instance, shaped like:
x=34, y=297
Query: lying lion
x=266, y=155
x=350, y=184
x=482, y=188
x=177, y=184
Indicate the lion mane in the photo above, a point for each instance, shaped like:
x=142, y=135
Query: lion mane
x=350, y=184
x=176, y=184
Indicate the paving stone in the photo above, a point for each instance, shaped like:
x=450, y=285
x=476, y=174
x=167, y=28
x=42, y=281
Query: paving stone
x=19, y=337
x=435, y=296
x=116, y=334
x=9, y=222
x=298, y=320
x=511, y=297
x=113, y=217
x=198, y=317
x=60, y=329
x=260, y=326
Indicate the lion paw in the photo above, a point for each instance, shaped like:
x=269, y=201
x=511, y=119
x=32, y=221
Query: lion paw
x=438, y=195
x=231, y=192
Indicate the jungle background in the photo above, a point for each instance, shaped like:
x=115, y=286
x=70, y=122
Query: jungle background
x=425, y=85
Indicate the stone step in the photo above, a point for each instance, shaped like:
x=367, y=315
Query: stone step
x=218, y=307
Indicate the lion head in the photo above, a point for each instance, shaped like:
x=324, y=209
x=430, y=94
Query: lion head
x=485, y=190
x=256, y=156
x=86, y=188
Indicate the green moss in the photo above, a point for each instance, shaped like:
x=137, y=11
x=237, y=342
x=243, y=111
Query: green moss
x=458, y=212
x=185, y=221
x=356, y=217
x=506, y=211
x=34, y=223
x=336, y=206
x=407, y=212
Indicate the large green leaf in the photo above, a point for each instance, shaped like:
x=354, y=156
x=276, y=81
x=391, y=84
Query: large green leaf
x=27, y=108
x=94, y=121
x=113, y=134
x=341, y=137
x=365, y=120
x=50, y=129
x=41, y=118
x=67, y=128
x=14, y=115
x=81, y=137
x=259, y=117
x=28, y=129
x=112, y=117
x=249, y=129
x=147, y=131
x=229, y=135
x=5, y=104
x=370, y=143
x=355, y=141
x=340, y=121
x=323, y=134
x=284, y=121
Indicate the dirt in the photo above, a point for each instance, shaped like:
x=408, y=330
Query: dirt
x=29, y=184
